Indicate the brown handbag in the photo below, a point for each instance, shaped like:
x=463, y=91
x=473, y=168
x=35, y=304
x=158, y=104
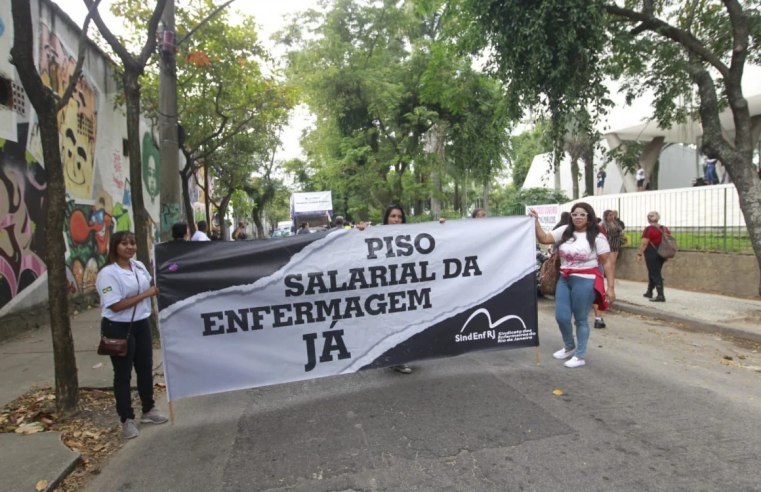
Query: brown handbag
x=117, y=347
x=549, y=275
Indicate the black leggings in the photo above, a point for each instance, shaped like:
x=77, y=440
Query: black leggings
x=654, y=263
x=139, y=355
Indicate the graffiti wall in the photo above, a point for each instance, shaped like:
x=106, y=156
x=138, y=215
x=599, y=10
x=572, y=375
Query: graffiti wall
x=95, y=160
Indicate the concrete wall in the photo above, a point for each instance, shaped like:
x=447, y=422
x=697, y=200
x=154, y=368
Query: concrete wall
x=733, y=275
x=96, y=167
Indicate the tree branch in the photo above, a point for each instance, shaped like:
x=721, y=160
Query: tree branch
x=153, y=25
x=740, y=34
x=201, y=24
x=80, y=60
x=118, y=48
x=713, y=141
x=686, y=39
x=23, y=58
x=691, y=15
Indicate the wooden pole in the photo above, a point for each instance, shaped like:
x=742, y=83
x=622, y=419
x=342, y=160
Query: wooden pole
x=537, y=363
x=171, y=413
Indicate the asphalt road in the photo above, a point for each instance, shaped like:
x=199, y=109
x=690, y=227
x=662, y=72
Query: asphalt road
x=654, y=409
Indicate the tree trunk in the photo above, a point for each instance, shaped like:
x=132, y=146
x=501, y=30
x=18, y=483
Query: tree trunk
x=486, y=196
x=132, y=93
x=435, y=145
x=589, y=169
x=64, y=358
x=255, y=213
x=189, y=212
x=457, y=197
x=575, y=177
x=224, y=231
x=207, y=201
x=465, y=186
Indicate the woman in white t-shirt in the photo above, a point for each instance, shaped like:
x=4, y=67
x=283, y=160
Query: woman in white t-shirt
x=640, y=178
x=125, y=288
x=581, y=283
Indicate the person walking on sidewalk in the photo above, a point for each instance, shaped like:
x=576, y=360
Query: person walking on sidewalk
x=125, y=288
x=651, y=239
x=580, y=245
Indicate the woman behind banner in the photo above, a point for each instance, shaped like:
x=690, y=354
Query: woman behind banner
x=125, y=288
x=395, y=215
x=580, y=245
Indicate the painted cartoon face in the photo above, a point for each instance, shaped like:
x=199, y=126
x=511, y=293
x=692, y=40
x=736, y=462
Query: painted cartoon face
x=90, y=274
x=77, y=168
x=152, y=173
x=79, y=272
x=151, y=159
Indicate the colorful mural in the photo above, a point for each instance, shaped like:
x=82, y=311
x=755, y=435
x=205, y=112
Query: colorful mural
x=92, y=134
x=22, y=214
x=77, y=122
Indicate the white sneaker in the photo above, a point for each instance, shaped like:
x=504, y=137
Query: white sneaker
x=562, y=354
x=575, y=362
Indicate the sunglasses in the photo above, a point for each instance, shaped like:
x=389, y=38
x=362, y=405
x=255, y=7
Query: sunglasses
x=577, y=215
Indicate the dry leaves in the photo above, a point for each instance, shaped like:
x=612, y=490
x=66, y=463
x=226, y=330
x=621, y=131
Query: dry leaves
x=558, y=393
x=41, y=485
x=94, y=431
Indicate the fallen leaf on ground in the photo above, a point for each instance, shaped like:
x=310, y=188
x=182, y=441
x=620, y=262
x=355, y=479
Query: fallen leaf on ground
x=558, y=393
x=727, y=357
x=99, y=447
x=32, y=428
x=41, y=485
x=161, y=385
x=98, y=365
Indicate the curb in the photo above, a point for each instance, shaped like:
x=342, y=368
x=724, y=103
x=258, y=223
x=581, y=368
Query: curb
x=692, y=323
x=53, y=484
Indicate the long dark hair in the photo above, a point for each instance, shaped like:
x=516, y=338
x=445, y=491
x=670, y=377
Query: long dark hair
x=388, y=213
x=592, y=228
x=113, y=245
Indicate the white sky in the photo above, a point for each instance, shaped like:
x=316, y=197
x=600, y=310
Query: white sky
x=268, y=14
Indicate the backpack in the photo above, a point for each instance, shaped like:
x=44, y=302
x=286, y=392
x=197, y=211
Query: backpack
x=549, y=275
x=668, y=247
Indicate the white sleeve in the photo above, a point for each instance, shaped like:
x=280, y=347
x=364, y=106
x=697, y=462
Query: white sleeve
x=558, y=233
x=601, y=244
x=109, y=288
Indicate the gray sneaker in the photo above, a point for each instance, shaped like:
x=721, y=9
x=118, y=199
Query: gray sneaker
x=129, y=429
x=153, y=417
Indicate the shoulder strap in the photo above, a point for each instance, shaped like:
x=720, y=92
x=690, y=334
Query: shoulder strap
x=134, y=310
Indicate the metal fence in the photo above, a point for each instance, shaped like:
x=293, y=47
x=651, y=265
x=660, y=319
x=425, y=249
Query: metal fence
x=705, y=218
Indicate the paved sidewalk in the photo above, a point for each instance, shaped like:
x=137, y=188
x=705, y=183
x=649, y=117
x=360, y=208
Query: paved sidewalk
x=732, y=315
x=27, y=360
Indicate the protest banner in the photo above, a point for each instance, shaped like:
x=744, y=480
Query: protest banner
x=549, y=215
x=238, y=315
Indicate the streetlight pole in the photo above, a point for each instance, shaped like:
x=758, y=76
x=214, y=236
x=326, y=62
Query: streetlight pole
x=171, y=196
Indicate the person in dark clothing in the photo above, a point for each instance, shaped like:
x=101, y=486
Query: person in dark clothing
x=304, y=228
x=651, y=239
x=180, y=231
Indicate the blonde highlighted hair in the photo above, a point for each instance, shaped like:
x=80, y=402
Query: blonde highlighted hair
x=654, y=217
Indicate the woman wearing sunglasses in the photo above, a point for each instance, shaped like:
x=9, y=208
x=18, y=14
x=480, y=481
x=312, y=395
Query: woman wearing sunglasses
x=580, y=244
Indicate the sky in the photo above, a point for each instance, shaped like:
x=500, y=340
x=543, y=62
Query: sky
x=268, y=14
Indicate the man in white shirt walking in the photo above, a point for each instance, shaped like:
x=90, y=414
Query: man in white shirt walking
x=200, y=234
x=640, y=178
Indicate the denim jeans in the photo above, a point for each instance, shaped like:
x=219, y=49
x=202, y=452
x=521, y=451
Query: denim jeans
x=574, y=295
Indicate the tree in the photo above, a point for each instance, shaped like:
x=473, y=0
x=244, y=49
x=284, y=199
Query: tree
x=47, y=104
x=132, y=69
x=222, y=91
x=691, y=50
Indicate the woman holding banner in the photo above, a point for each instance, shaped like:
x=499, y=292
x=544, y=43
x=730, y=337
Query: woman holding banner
x=580, y=245
x=126, y=287
x=395, y=215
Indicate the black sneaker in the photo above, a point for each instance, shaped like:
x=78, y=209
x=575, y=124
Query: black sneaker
x=658, y=299
x=599, y=323
x=648, y=294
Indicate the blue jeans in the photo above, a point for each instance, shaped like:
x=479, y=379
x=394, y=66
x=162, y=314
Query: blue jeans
x=574, y=295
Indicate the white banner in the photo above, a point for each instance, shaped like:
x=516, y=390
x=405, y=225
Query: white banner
x=247, y=314
x=318, y=201
x=549, y=215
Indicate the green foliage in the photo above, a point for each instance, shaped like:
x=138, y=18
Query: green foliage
x=379, y=76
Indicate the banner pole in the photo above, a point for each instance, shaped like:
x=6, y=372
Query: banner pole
x=171, y=412
x=537, y=362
